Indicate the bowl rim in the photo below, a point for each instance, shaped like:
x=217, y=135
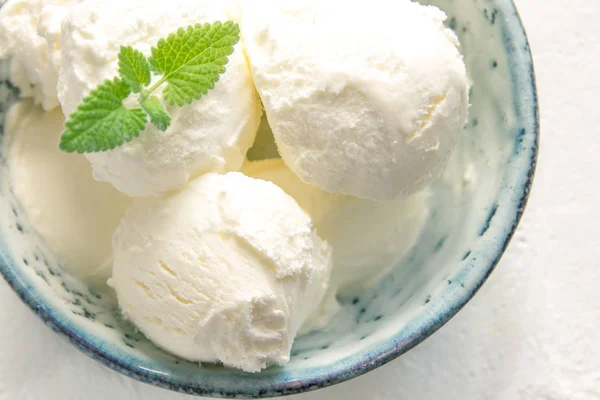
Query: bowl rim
x=526, y=104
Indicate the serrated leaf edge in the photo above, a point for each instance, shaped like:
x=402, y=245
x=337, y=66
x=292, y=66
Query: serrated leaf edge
x=222, y=61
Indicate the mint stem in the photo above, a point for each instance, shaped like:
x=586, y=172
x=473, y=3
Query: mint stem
x=146, y=93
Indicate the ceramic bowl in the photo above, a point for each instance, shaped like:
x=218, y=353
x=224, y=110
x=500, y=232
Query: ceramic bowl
x=477, y=204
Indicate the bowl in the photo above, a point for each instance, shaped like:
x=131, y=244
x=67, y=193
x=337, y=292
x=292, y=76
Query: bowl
x=476, y=207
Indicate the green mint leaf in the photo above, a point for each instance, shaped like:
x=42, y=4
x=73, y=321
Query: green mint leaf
x=157, y=112
x=192, y=59
x=134, y=68
x=190, y=62
x=101, y=122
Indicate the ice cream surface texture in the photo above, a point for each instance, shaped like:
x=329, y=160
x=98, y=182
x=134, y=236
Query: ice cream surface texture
x=368, y=238
x=30, y=34
x=367, y=102
x=75, y=214
x=212, y=134
x=228, y=269
x=212, y=265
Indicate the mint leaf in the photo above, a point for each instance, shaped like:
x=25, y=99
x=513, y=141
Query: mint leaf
x=192, y=59
x=157, y=112
x=190, y=62
x=134, y=68
x=101, y=122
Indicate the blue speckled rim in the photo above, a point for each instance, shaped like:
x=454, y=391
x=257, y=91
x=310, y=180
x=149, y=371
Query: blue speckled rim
x=526, y=108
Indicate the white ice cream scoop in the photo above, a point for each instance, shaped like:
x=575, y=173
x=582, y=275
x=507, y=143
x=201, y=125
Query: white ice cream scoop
x=366, y=98
x=75, y=214
x=30, y=33
x=368, y=238
x=228, y=269
x=211, y=134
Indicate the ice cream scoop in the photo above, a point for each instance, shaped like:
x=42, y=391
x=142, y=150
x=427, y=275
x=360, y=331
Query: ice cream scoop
x=228, y=269
x=211, y=134
x=367, y=99
x=30, y=33
x=75, y=214
x=368, y=238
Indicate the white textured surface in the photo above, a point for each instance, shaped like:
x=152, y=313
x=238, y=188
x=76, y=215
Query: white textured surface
x=76, y=214
x=211, y=135
x=259, y=282
x=25, y=26
x=358, y=260
x=368, y=115
x=533, y=330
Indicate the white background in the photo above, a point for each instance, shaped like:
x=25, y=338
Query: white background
x=531, y=333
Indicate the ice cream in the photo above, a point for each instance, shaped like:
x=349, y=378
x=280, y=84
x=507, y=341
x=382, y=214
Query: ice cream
x=228, y=269
x=368, y=238
x=313, y=200
x=368, y=100
x=366, y=104
x=75, y=214
x=30, y=34
x=212, y=134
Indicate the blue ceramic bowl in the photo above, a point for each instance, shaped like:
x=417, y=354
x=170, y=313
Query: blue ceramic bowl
x=476, y=207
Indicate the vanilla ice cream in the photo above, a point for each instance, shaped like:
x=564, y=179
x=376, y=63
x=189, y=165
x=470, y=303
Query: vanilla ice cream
x=30, y=34
x=75, y=214
x=366, y=98
x=228, y=269
x=368, y=238
x=212, y=134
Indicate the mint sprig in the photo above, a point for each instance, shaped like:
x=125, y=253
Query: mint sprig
x=188, y=63
x=192, y=59
x=134, y=68
x=157, y=112
x=101, y=122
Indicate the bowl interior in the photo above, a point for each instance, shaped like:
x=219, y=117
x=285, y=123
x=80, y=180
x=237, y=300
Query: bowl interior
x=476, y=206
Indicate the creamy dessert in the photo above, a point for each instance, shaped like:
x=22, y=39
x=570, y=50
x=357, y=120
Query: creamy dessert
x=213, y=257
x=210, y=135
x=75, y=214
x=367, y=102
x=30, y=35
x=202, y=275
x=368, y=238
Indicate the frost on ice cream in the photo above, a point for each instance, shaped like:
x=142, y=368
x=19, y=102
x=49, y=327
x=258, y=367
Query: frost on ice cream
x=228, y=269
x=368, y=101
